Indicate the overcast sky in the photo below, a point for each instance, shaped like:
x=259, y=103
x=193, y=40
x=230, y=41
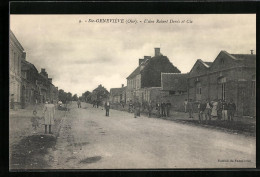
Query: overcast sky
x=80, y=56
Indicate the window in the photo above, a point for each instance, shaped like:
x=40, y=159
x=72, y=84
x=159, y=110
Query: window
x=198, y=88
x=222, y=61
x=222, y=83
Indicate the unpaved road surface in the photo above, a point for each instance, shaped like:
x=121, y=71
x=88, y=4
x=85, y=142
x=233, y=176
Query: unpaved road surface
x=90, y=140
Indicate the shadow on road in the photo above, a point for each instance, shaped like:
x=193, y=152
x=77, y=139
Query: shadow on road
x=30, y=151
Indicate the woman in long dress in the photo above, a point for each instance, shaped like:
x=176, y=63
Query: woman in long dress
x=214, y=109
x=48, y=111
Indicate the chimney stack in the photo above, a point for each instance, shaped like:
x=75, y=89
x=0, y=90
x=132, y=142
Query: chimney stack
x=50, y=79
x=156, y=52
x=122, y=85
x=140, y=61
x=252, y=52
x=43, y=70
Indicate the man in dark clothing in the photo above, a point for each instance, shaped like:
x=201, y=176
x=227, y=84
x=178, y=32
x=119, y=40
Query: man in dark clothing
x=168, y=107
x=224, y=110
x=190, y=108
x=158, y=109
x=219, y=109
x=79, y=103
x=107, y=107
x=150, y=108
x=137, y=107
x=231, y=110
x=201, y=109
x=163, y=109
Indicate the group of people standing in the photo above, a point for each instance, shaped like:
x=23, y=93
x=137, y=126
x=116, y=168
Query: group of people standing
x=218, y=108
x=48, y=115
x=162, y=108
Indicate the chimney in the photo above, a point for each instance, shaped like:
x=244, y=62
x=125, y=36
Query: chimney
x=156, y=52
x=122, y=85
x=50, y=79
x=24, y=55
x=140, y=61
x=43, y=70
x=252, y=52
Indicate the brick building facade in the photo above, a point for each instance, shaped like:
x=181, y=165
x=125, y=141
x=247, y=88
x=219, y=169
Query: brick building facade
x=230, y=76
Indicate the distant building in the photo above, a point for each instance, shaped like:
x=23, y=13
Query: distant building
x=230, y=76
x=16, y=55
x=147, y=77
x=30, y=90
x=47, y=90
x=118, y=95
x=175, y=89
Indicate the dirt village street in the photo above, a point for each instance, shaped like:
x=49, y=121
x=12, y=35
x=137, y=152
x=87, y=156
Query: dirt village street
x=87, y=139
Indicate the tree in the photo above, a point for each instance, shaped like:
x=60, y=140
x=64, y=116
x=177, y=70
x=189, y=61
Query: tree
x=85, y=96
x=100, y=93
x=62, y=95
x=69, y=96
x=75, y=97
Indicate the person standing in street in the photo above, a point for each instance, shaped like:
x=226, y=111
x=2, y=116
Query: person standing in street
x=224, y=111
x=158, y=110
x=219, y=109
x=79, y=103
x=214, y=108
x=231, y=110
x=150, y=108
x=168, y=108
x=137, y=107
x=201, y=109
x=185, y=105
x=48, y=112
x=208, y=110
x=190, y=108
x=107, y=107
x=163, y=109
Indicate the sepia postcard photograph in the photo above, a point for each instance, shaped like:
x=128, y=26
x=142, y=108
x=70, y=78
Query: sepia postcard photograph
x=132, y=91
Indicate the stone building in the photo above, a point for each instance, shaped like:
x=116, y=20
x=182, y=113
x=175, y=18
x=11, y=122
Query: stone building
x=47, y=90
x=118, y=95
x=175, y=89
x=30, y=91
x=146, y=78
x=230, y=76
x=16, y=55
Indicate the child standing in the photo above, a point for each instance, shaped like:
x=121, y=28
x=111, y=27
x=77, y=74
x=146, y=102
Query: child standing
x=35, y=121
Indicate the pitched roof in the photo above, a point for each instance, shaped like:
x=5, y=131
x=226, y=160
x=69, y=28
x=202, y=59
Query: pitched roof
x=246, y=59
x=146, y=62
x=135, y=72
x=205, y=63
x=27, y=65
x=117, y=91
x=174, y=81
